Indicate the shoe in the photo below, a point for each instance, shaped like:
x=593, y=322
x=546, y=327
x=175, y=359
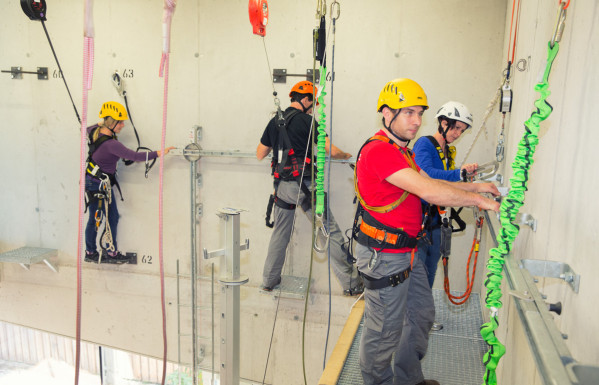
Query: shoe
x=117, y=258
x=429, y=382
x=357, y=290
x=436, y=326
x=91, y=256
x=271, y=288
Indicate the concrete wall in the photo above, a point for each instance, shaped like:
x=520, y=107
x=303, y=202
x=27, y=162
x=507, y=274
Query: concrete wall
x=561, y=185
x=219, y=79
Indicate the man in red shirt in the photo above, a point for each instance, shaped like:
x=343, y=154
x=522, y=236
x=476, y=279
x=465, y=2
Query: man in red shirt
x=399, y=308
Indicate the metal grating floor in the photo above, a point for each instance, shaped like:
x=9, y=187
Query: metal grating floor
x=290, y=287
x=455, y=352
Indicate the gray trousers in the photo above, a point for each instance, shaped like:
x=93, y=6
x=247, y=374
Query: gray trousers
x=281, y=235
x=397, y=320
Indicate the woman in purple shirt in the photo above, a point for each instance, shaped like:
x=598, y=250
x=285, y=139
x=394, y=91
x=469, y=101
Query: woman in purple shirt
x=104, y=152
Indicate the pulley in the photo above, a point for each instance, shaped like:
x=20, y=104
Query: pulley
x=506, y=98
x=258, y=10
x=34, y=9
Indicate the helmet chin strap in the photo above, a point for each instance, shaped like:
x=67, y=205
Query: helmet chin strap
x=304, y=108
x=116, y=122
x=393, y=133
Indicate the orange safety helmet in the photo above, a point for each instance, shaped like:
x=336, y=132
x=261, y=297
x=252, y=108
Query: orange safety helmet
x=304, y=87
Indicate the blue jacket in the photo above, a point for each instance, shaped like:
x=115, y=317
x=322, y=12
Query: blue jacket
x=427, y=158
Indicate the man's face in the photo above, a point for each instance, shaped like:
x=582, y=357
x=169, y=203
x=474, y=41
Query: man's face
x=308, y=104
x=454, y=133
x=408, y=121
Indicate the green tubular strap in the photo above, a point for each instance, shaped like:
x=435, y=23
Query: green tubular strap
x=509, y=208
x=321, y=154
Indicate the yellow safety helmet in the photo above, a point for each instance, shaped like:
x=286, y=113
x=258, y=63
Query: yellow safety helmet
x=115, y=110
x=400, y=93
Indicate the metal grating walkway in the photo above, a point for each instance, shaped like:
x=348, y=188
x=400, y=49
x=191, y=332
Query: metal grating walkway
x=455, y=353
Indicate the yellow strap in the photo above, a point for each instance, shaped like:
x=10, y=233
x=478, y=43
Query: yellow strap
x=403, y=197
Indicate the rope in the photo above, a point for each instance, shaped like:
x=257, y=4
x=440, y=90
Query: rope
x=60, y=69
x=328, y=203
x=88, y=68
x=169, y=9
x=106, y=238
x=461, y=299
x=488, y=112
x=508, y=211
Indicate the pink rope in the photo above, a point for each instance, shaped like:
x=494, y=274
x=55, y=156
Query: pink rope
x=88, y=67
x=169, y=9
x=164, y=66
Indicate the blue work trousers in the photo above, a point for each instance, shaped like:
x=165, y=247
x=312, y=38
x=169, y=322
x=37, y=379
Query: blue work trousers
x=430, y=253
x=93, y=186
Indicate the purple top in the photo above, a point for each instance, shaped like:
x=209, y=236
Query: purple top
x=109, y=153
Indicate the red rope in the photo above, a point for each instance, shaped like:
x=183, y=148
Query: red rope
x=459, y=300
x=511, y=44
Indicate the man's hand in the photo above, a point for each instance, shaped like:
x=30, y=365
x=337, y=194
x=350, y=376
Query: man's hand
x=488, y=204
x=343, y=156
x=488, y=187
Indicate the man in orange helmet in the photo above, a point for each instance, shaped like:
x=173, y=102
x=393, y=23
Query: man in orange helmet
x=288, y=137
x=399, y=308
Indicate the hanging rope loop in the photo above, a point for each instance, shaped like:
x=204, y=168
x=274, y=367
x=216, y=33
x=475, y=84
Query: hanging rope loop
x=335, y=10
x=560, y=23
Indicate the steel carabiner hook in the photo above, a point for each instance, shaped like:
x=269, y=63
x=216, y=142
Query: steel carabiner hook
x=559, y=24
x=320, y=226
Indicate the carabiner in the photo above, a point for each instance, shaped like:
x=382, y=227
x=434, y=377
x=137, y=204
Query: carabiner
x=335, y=10
x=559, y=24
x=321, y=8
x=320, y=226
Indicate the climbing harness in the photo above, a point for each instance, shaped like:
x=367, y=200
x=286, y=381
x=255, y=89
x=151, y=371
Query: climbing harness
x=119, y=84
x=461, y=299
x=37, y=10
x=366, y=229
x=512, y=203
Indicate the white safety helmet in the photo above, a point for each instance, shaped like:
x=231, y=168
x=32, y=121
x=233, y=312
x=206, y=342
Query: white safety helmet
x=455, y=111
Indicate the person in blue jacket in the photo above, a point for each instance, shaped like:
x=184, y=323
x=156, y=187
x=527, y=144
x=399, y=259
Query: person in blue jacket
x=437, y=158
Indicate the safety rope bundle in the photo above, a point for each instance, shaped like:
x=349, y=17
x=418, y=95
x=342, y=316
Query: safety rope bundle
x=509, y=208
x=321, y=153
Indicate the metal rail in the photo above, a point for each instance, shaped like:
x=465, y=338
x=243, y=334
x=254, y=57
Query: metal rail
x=554, y=361
x=198, y=152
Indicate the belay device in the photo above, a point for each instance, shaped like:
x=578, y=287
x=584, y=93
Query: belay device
x=34, y=9
x=258, y=11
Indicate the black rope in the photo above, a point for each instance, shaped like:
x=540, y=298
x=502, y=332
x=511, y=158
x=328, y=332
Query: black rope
x=60, y=70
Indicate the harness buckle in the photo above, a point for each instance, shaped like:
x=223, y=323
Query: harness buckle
x=384, y=240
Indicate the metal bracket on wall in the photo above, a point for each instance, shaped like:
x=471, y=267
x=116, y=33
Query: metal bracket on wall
x=17, y=73
x=552, y=269
x=280, y=75
x=526, y=219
